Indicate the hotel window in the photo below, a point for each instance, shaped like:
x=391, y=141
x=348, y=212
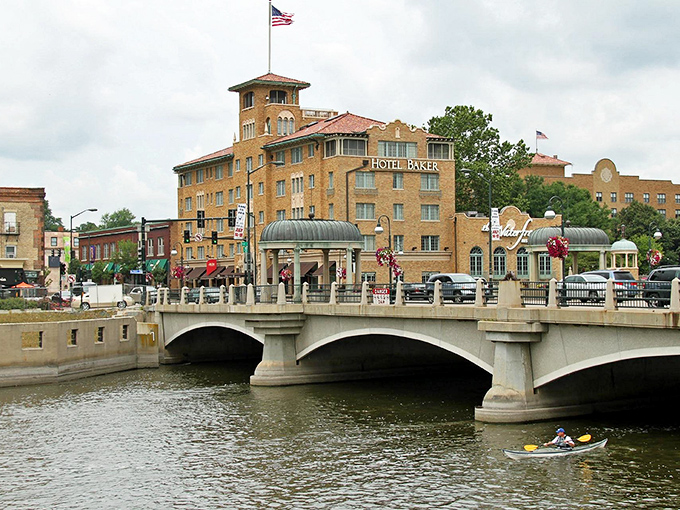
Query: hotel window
x=429, y=212
x=200, y=252
x=249, y=192
x=296, y=155
x=248, y=100
x=231, y=196
x=200, y=201
x=330, y=180
x=219, y=225
x=106, y=250
x=249, y=164
x=231, y=250
x=365, y=211
x=219, y=198
x=161, y=246
x=661, y=198
x=677, y=199
x=429, y=182
x=397, y=180
x=522, y=263
x=189, y=226
x=398, y=212
x=188, y=178
x=612, y=196
x=260, y=216
x=353, y=147
x=189, y=253
x=499, y=263
x=365, y=180
x=76, y=243
x=180, y=180
x=645, y=198
x=310, y=150
x=199, y=176
x=598, y=196
x=677, y=213
x=331, y=211
x=476, y=261
x=369, y=243
x=544, y=267
x=312, y=210
x=331, y=148
x=397, y=149
x=220, y=251
x=278, y=96
x=281, y=156
x=249, y=130
x=268, y=126
x=613, y=211
x=398, y=243
x=238, y=192
x=53, y=241
x=230, y=169
x=260, y=188
x=238, y=165
x=149, y=248
x=311, y=181
x=628, y=197
x=11, y=251
x=298, y=213
x=661, y=211
x=429, y=243
x=219, y=171
x=260, y=160
x=281, y=214
x=280, y=188
x=368, y=277
x=98, y=251
x=438, y=151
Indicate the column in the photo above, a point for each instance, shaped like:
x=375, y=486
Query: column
x=358, y=271
x=325, y=277
x=263, y=267
x=297, y=277
x=350, y=277
x=275, y=267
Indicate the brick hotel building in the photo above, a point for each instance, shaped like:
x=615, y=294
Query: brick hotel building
x=335, y=166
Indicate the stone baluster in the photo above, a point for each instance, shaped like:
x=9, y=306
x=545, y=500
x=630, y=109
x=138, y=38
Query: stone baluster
x=334, y=294
x=281, y=296
x=399, y=296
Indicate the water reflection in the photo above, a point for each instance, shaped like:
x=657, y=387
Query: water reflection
x=198, y=436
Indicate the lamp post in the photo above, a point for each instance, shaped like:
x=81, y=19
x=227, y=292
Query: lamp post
x=379, y=230
x=174, y=252
x=550, y=215
x=71, y=228
x=248, y=198
x=657, y=235
x=467, y=172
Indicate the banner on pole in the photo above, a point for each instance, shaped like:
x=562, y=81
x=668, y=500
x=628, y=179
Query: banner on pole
x=239, y=228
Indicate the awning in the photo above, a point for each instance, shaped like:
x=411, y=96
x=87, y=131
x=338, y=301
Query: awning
x=109, y=267
x=228, y=271
x=319, y=270
x=23, y=285
x=281, y=266
x=194, y=273
x=154, y=263
x=305, y=267
x=217, y=273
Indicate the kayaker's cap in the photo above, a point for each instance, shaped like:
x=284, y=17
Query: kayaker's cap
x=560, y=430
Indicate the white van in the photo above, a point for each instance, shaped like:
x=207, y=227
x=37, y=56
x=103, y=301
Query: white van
x=88, y=295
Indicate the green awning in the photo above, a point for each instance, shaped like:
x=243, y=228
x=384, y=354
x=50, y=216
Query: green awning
x=110, y=266
x=153, y=264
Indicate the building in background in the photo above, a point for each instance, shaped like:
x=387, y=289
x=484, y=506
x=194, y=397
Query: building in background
x=57, y=252
x=22, y=245
x=338, y=167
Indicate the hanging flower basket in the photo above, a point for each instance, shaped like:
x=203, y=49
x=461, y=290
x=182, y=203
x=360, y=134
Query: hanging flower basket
x=119, y=277
x=385, y=257
x=558, y=247
x=178, y=272
x=341, y=273
x=654, y=257
x=286, y=275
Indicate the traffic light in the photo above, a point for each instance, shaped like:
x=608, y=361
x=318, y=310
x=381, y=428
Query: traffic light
x=354, y=256
x=200, y=219
x=231, y=218
x=187, y=236
x=214, y=237
x=62, y=269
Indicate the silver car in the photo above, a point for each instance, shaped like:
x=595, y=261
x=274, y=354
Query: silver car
x=586, y=287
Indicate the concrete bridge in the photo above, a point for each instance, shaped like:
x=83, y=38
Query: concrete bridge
x=543, y=361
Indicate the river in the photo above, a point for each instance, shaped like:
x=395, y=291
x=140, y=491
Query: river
x=198, y=437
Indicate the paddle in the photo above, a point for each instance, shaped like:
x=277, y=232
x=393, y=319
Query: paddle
x=583, y=439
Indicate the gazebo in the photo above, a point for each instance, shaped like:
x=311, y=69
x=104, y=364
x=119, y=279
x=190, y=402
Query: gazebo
x=310, y=234
x=624, y=255
x=581, y=239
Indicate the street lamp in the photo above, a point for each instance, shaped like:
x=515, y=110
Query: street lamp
x=174, y=252
x=71, y=228
x=379, y=230
x=550, y=215
x=248, y=198
x=467, y=173
x=657, y=236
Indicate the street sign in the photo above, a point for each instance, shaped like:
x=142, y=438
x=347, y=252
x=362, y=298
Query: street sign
x=72, y=278
x=136, y=271
x=381, y=296
x=198, y=237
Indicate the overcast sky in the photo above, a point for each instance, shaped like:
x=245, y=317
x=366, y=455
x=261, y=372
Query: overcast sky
x=100, y=99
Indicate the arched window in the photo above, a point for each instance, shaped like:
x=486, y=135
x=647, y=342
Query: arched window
x=522, y=263
x=500, y=267
x=476, y=261
x=278, y=96
x=291, y=125
x=268, y=126
x=279, y=128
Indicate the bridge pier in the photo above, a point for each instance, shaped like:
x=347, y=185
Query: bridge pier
x=279, y=365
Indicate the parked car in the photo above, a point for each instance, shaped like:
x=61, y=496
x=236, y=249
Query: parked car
x=586, y=287
x=210, y=295
x=414, y=291
x=137, y=293
x=657, y=288
x=625, y=285
x=62, y=298
x=456, y=287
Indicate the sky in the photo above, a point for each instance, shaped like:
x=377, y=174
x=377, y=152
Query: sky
x=99, y=100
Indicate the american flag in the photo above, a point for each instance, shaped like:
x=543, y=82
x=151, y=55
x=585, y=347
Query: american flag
x=281, y=18
x=540, y=136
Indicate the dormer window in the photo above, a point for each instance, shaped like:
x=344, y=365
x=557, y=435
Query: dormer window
x=248, y=100
x=278, y=97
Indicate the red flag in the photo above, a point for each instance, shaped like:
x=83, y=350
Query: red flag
x=210, y=266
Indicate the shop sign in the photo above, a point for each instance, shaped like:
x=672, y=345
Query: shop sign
x=409, y=164
x=510, y=231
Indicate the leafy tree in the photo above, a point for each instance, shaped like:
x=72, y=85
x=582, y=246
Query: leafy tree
x=159, y=274
x=120, y=218
x=478, y=148
x=99, y=274
x=52, y=223
x=74, y=265
x=88, y=226
x=126, y=256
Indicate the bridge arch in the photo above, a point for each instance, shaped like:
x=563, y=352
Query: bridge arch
x=233, y=327
x=410, y=335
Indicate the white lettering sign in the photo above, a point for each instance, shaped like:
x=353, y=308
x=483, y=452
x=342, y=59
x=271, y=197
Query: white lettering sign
x=510, y=231
x=411, y=164
x=239, y=227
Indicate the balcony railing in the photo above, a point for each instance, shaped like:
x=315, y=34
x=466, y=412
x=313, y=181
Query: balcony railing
x=10, y=228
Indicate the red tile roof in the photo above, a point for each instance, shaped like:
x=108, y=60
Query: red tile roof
x=270, y=78
x=542, y=159
x=229, y=151
x=345, y=123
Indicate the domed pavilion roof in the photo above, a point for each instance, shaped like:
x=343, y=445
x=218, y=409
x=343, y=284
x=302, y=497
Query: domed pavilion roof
x=624, y=245
x=580, y=238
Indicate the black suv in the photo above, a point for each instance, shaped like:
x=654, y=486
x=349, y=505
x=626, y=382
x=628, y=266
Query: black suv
x=657, y=291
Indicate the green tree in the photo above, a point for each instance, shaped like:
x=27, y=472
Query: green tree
x=99, y=274
x=52, y=223
x=159, y=274
x=120, y=218
x=478, y=147
x=74, y=265
x=88, y=226
x=126, y=257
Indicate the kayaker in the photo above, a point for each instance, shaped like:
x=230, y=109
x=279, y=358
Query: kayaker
x=562, y=440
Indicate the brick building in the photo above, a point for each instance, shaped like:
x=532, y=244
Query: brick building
x=341, y=167
x=22, y=245
x=607, y=186
x=57, y=252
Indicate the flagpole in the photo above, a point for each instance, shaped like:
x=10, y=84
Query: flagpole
x=269, y=65
x=534, y=130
